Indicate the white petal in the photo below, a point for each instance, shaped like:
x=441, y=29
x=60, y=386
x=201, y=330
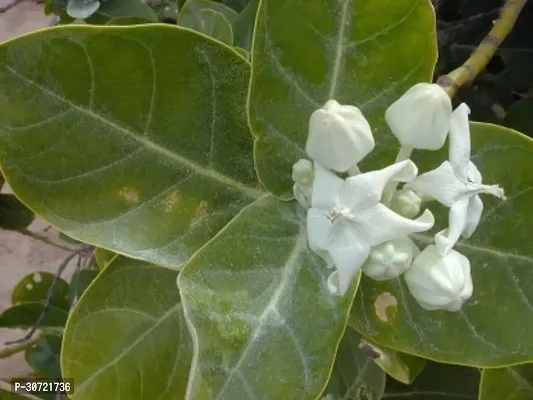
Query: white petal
x=379, y=224
x=348, y=253
x=459, y=154
x=420, y=118
x=366, y=189
x=319, y=229
x=440, y=183
x=457, y=217
x=339, y=136
x=473, y=215
x=82, y=8
x=326, y=187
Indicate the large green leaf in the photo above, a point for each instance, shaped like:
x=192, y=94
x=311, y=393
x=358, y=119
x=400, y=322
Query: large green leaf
x=13, y=214
x=26, y=315
x=437, y=382
x=149, y=163
x=485, y=332
x=43, y=356
x=190, y=14
x=513, y=383
x=213, y=24
x=126, y=338
x=355, y=375
x=263, y=322
x=305, y=52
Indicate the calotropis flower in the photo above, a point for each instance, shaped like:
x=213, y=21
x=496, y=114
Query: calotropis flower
x=339, y=136
x=420, y=118
x=390, y=259
x=346, y=218
x=456, y=184
x=440, y=282
x=302, y=175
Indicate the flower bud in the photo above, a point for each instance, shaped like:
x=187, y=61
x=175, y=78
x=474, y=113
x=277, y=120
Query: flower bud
x=440, y=282
x=406, y=203
x=339, y=136
x=302, y=175
x=420, y=119
x=390, y=259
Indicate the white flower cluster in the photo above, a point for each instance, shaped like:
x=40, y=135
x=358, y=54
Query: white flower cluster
x=360, y=220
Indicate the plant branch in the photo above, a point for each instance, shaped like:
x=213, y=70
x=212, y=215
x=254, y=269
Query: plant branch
x=43, y=239
x=481, y=56
x=9, y=351
x=50, y=293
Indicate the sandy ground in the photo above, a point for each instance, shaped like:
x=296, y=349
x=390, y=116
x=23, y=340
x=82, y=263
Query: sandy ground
x=20, y=255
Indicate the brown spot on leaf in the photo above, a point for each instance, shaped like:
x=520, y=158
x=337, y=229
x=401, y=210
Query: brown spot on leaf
x=171, y=200
x=201, y=213
x=386, y=307
x=129, y=194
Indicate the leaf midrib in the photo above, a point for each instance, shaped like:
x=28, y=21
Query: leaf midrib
x=248, y=191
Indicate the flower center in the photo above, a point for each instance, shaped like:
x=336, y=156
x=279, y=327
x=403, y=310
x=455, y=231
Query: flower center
x=339, y=211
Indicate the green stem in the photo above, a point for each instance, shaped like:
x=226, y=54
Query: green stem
x=481, y=56
x=9, y=351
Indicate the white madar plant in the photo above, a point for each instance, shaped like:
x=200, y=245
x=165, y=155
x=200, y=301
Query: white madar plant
x=351, y=222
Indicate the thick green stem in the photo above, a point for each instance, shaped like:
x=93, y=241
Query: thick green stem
x=481, y=56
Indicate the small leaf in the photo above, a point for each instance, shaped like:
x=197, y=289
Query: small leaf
x=13, y=214
x=401, y=366
x=68, y=239
x=437, y=381
x=512, y=383
x=501, y=258
x=103, y=257
x=520, y=117
x=79, y=282
x=131, y=317
x=264, y=323
x=355, y=375
x=25, y=315
x=190, y=14
x=43, y=356
x=82, y=9
x=121, y=8
x=34, y=288
x=215, y=25
x=163, y=156
x=364, y=53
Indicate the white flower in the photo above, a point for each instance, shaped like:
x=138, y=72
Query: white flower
x=82, y=8
x=406, y=203
x=420, y=118
x=346, y=218
x=390, y=259
x=440, y=282
x=302, y=175
x=456, y=184
x=339, y=136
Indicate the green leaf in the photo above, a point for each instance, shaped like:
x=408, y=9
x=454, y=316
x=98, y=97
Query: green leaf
x=43, y=356
x=163, y=156
x=364, y=53
x=103, y=257
x=25, y=315
x=501, y=257
x=401, y=366
x=13, y=214
x=262, y=319
x=437, y=381
x=355, y=375
x=520, y=117
x=121, y=8
x=34, y=288
x=79, y=282
x=190, y=14
x=131, y=317
x=122, y=21
x=513, y=383
x=243, y=27
x=215, y=25
x=68, y=239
